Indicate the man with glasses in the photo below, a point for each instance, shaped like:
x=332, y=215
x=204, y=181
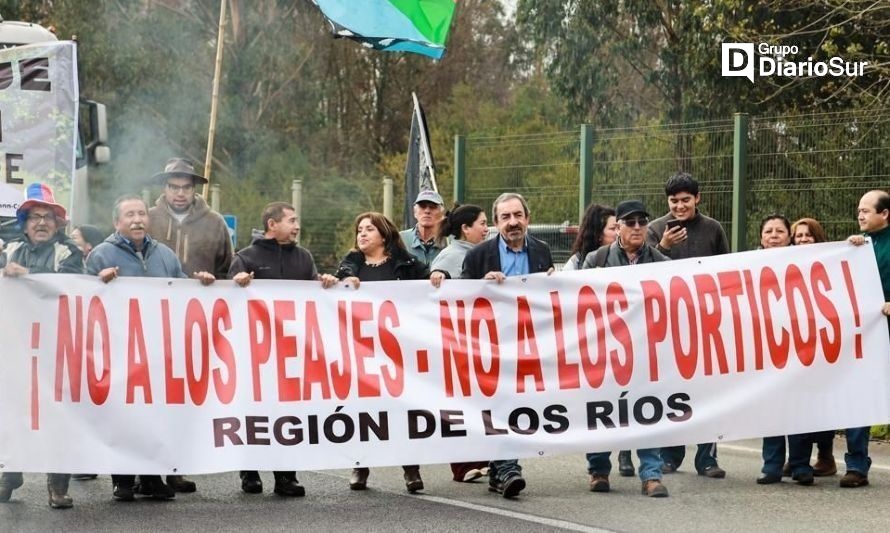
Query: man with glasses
x=182, y=220
x=629, y=249
x=680, y=234
x=43, y=248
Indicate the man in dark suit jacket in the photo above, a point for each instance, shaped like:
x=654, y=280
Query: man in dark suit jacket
x=512, y=253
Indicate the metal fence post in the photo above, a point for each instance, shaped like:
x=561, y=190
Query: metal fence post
x=460, y=168
x=740, y=182
x=214, y=197
x=387, y=197
x=297, y=200
x=585, y=186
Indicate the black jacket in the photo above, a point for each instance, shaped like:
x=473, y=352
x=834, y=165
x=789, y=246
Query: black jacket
x=269, y=260
x=486, y=257
x=406, y=265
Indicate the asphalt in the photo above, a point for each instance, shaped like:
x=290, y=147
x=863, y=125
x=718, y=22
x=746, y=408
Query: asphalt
x=556, y=499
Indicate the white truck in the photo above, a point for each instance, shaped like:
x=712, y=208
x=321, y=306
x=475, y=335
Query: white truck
x=92, y=147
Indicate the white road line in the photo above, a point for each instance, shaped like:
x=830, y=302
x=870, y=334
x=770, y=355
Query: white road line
x=551, y=522
x=748, y=449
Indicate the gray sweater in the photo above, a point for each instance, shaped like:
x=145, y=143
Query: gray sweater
x=451, y=259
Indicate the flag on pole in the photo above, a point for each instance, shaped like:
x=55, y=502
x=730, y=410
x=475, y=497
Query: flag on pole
x=417, y=26
x=420, y=173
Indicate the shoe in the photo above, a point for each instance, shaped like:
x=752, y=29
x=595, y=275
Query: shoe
x=599, y=483
x=852, y=479
x=181, y=484
x=57, y=487
x=359, y=478
x=289, y=486
x=472, y=475
x=484, y=471
x=804, y=478
x=510, y=487
x=123, y=493
x=83, y=477
x=251, y=482
x=654, y=489
x=8, y=483
x=625, y=464
x=713, y=472
x=155, y=487
x=825, y=466
x=412, y=479
x=786, y=470
x=769, y=479
x=668, y=468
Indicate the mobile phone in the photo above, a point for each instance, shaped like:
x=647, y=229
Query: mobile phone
x=671, y=224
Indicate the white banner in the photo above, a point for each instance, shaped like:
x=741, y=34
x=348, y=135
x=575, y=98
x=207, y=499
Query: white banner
x=38, y=120
x=156, y=375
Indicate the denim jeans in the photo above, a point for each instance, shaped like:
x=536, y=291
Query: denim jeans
x=650, y=463
x=500, y=470
x=705, y=456
x=773, y=455
x=857, y=458
x=800, y=448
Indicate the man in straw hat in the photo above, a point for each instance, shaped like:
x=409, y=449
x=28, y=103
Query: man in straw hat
x=43, y=248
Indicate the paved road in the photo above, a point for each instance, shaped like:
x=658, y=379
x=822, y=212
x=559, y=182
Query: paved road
x=556, y=500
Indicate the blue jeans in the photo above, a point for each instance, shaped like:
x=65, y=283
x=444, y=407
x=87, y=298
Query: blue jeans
x=705, y=456
x=650, y=463
x=800, y=448
x=857, y=458
x=773, y=455
x=501, y=470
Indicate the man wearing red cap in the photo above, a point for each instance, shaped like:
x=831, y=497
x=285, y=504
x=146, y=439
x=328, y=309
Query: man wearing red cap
x=43, y=248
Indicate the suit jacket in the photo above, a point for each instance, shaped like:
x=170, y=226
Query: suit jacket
x=486, y=257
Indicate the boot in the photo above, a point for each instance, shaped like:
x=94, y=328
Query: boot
x=57, y=486
x=181, y=484
x=359, y=478
x=9, y=481
x=412, y=478
x=625, y=464
x=286, y=484
x=825, y=465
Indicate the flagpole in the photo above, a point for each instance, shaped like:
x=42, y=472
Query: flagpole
x=214, y=99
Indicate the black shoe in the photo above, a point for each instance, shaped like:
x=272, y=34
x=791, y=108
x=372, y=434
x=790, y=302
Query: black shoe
x=289, y=486
x=83, y=477
x=804, y=478
x=625, y=464
x=155, y=487
x=181, y=484
x=359, y=478
x=413, y=482
x=668, y=467
x=713, y=472
x=124, y=493
x=510, y=487
x=251, y=482
x=769, y=479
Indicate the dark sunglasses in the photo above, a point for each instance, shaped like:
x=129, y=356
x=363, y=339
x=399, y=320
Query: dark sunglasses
x=633, y=222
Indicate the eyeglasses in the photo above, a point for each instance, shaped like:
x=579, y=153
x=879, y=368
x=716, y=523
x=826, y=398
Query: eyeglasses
x=34, y=217
x=634, y=222
x=180, y=188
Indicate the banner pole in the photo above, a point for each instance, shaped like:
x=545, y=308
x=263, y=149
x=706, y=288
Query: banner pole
x=214, y=99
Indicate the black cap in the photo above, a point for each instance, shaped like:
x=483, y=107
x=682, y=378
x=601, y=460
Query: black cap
x=630, y=207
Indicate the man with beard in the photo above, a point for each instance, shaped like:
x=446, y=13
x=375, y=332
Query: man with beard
x=276, y=255
x=182, y=220
x=130, y=251
x=422, y=240
x=43, y=248
x=513, y=253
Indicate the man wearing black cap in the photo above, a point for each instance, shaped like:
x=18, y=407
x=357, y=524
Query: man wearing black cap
x=422, y=240
x=629, y=249
x=182, y=220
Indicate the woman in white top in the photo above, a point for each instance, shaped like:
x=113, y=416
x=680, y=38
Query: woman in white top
x=598, y=228
x=467, y=226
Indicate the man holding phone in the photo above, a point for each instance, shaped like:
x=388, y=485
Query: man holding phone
x=680, y=234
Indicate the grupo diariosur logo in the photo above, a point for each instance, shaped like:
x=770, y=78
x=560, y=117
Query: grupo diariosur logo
x=740, y=60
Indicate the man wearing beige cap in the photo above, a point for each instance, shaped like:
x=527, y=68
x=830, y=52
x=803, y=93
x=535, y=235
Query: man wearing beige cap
x=423, y=241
